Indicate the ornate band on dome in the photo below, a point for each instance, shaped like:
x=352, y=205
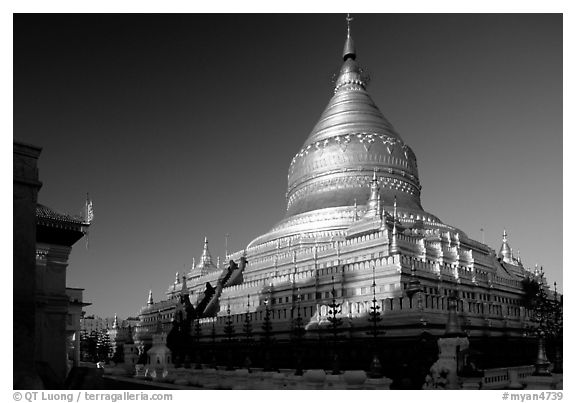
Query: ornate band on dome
x=359, y=182
x=364, y=138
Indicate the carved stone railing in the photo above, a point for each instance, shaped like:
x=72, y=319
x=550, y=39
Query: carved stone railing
x=506, y=378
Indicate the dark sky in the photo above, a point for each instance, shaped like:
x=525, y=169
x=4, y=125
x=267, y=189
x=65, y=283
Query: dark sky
x=182, y=126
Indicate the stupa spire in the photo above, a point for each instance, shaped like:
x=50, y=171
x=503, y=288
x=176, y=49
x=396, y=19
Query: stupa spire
x=373, y=201
x=206, y=263
x=394, y=241
x=505, y=251
x=349, y=49
x=150, y=299
x=206, y=258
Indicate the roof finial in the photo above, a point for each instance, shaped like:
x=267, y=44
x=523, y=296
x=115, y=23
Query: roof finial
x=88, y=210
x=150, y=299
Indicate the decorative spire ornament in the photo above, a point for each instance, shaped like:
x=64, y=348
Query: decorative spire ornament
x=349, y=49
x=348, y=21
x=505, y=252
x=88, y=210
x=150, y=299
x=394, y=241
x=226, y=246
x=88, y=217
x=374, y=200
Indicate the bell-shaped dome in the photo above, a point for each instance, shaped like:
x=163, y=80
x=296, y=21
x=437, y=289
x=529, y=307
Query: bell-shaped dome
x=352, y=149
x=351, y=140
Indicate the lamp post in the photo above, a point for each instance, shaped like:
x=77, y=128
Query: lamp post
x=375, y=318
x=335, y=323
x=297, y=335
x=267, y=328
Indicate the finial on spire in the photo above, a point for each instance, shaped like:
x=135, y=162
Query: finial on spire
x=348, y=21
x=115, y=324
x=504, y=236
x=177, y=279
x=150, y=299
x=349, y=50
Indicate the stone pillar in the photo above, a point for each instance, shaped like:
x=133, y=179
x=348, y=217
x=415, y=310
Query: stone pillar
x=51, y=311
x=77, y=348
x=26, y=186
